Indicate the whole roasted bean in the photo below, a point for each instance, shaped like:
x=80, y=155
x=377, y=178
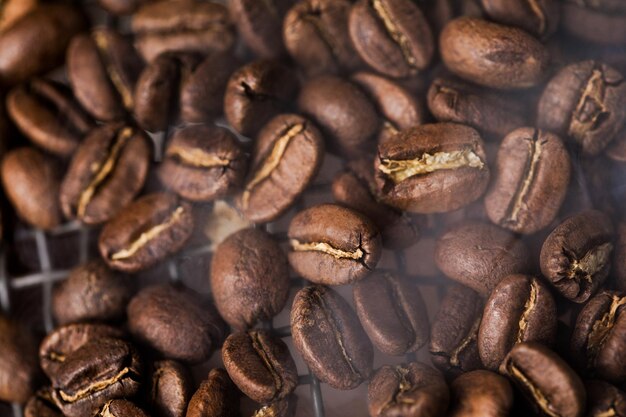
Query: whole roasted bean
x=533, y=172
x=103, y=68
x=576, y=256
x=18, y=361
x=603, y=399
x=540, y=18
x=593, y=25
x=493, y=55
x=480, y=394
x=586, y=102
x=31, y=182
x=120, y=408
x=317, y=37
x=171, y=389
x=183, y=26
x=333, y=245
x=392, y=312
x=175, y=322
x=519, y=309
x=121, y=7
x=106, y=173
x=286, y=158
x=202, y=163
x=411, y=390
x=546, y=380
x=13, y=10
x=598, y=338
x=391, y=36
x=216, y=396
x=480, y=255
x=328, y=336
x=47, y=113
x=432, y=168
x=41, y=405
x=249, y=278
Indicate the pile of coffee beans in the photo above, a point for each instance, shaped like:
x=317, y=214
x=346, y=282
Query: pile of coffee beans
x=464, y=256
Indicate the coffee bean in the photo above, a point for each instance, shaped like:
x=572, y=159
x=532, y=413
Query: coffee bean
x=216, y=396
x=616, y=150
x=107, y=171
x=249, y=278
x=392, y=312
x=12, y=11
x=586, y=102
x=548, y=383
x=328, y=336
x=333, y=245
x=619, y=258
x=120, y=408
x=576, y=256
x=182, y=26
x=493, y=55
x=593, y=25
x=409, y=390
x=202, y=163
x=391, y=36
x=171, y=389
x=121, y=7
x=281, y=408
x=18, y=361
x=480, y=394
x=286, y=158
x=41, y=405
x=540, y=18
x=145, y=232
x=533, y=175
x=31, y=182
x=480, y=255
x=432, y=168
x=603, y=399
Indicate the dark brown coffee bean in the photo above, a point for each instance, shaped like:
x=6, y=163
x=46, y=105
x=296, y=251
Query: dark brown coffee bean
x=586, y=102
x=317, y=37
x=333, y=245
x=533, y=175
x=281, y=408
x=260, y=365
x=171, y=389
x=343, y=112
x=619, y=258
x=480, y=255
x=249, y=278
x=392, y=312
x=598, y=338
x=519, y=309
x=31, y=182
x=454, y=331
x=216, y=396
x=106, y=173
x=286, y=158
x=576, y=256
x=493, y=55
x=47, y=113
x=18, y=361
x=551, y=386
x=36, y=43
x=41, y=405
x=145, y=232
x=120, y=408
x=182, y=26
x=539, y=17
x=203, y=163
x=411, y=390
x=480, y=394
x=391, y=36
x=13, y=10
x=432, y=168
x=603, y=399
x=121, y=7
x=329, y=338
x=593, y=25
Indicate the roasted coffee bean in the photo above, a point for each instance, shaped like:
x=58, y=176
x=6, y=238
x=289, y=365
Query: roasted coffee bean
x=47, y=113
x=171, y=389
x=540, y=18
x=519, y=309
x=411, y=390
x=121, y=7
x=260, y=365
x=533, y=172
x=249, y=278
x=41, y=405
x=31, y=182
x=18, y=361
x=432, y=168
x=35, y=43
x=493, y=55
x=216, y=396
x=603, y=399
x=454, y=331
x=202, y=163
x=343, y=112
x=317, y=37
x=145, y=232
x=598, y=338
x=333, y=245
x=13, y=10
x=286, y=158
x=616, y=150
x=329, y=337
x=391, y=36
x=106, y=173
x=175, y=322
x=480, y=255
x=480, y=394
x=546, y=380
x=182, y=26
x=392, y=312
x=576, y=256
x=120, y=408
x=593, y=25
x=619, y=258
x=281, y=408
x=91, y=292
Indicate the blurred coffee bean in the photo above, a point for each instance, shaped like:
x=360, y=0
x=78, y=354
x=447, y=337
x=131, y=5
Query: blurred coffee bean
x=41, y=405
x=120, y=408
x=171, y=389
x=12, y=11
x=619, y=258
x=480, y=394
x=541, y=18
x=603, y=399
x=281, y=408
x=597, y=26
x=18, y=361
x=616, y=150
x=121, y=7
x=216, y=396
